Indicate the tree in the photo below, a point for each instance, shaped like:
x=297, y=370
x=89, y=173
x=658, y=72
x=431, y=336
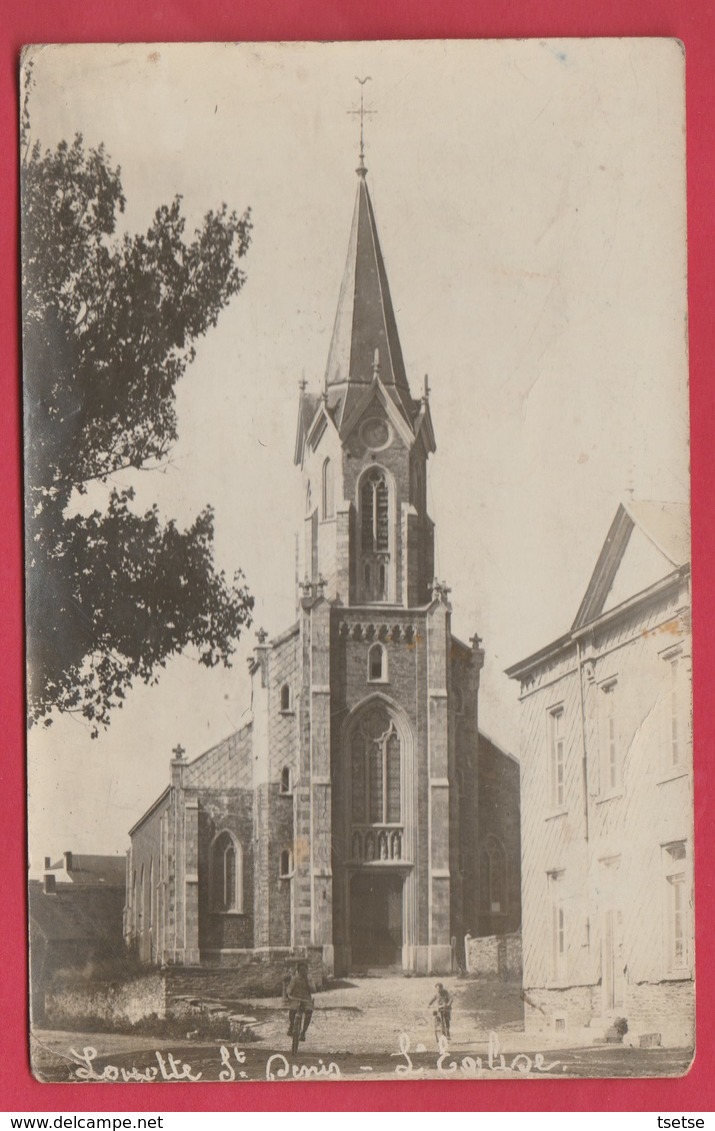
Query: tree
x=109, y=323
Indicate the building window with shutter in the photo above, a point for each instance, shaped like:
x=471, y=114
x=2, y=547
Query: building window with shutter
x=676, y=713
x=557, y=911
x=611, y=770
x=557, y=759
x=676, y=908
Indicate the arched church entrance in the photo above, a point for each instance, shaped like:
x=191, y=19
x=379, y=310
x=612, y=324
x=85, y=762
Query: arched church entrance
x=378, y=832
x=376, y=916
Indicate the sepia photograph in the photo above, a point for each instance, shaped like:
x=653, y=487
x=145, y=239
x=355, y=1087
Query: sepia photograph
x=357, y=548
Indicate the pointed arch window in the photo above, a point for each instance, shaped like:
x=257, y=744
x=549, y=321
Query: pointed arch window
x=418, y=486
x=286, y=864
x=493, y=876
x=328, y=490
x=135, y=906
x=375, y=507
x=286, y=698
x=140, y=915
x=226, y=874
x=151, y=893
x=382, y=579
x=286, y=783
x=374, y=501
x=377, y=664
x=376, y=776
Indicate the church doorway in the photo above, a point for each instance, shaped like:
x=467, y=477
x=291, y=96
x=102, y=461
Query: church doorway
x=376, y=920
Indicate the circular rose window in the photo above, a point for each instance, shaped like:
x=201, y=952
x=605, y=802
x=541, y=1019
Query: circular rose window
x=375, y=433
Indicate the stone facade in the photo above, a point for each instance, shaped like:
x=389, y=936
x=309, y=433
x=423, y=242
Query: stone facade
x=494, y=956
x=346, y=815
x=606, y=793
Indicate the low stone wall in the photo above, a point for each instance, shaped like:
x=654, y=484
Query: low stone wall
x=245, y=973
x=665, y=1007
x=117, y=1002
x=125, y=1001
x=561, y=1009
x=661, y=1009
x=494, y=956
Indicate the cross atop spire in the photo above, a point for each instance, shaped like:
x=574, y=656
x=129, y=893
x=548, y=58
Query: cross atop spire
x=361, y=169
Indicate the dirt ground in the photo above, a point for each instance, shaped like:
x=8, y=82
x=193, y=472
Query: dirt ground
x=370, y=1013
x=377, y=1026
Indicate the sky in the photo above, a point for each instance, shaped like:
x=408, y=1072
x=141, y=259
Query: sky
x=530, y=201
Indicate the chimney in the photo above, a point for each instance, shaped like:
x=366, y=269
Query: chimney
x=49, y=885
x=68, y=861
x=48, y=862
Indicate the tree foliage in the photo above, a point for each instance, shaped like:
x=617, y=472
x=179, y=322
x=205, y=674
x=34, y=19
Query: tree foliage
x=109, y=322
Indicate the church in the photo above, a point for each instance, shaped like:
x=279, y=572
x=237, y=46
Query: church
x=349, y=819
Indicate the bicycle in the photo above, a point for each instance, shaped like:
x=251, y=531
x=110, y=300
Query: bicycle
x=297, y=1021
x=442, y=1020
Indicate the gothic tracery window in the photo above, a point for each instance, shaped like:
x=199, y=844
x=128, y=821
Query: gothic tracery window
x=375, y=511
x=375, y=534
x=418, y=486
x=376, y=774
x=226, y=874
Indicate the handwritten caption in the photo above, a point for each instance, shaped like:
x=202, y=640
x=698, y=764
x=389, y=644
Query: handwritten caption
x=232, y=1066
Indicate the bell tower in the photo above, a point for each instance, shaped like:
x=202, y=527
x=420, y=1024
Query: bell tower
x=386, y=867
x=363, y=445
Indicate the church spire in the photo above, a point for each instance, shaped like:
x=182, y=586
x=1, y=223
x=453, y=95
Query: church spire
x=365, y=319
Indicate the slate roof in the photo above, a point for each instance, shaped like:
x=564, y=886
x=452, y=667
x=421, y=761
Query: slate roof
x=76, y=915
x=225, y=765
x=365, y=319
x=93, y=869
x=665, y=525
x=365, y=356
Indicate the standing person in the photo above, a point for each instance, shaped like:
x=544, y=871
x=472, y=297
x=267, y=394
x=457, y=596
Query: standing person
x=300, y=990
x=442, y=1012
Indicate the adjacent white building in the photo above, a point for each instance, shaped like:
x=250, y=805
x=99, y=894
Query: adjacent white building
x=606, y=794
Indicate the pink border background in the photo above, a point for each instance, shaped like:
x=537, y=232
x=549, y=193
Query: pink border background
x=39, y=21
